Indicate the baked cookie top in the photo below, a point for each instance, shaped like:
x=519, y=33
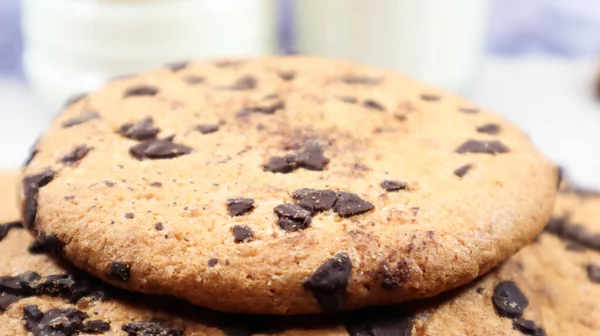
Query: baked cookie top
x=563, y=266
x=284, y=185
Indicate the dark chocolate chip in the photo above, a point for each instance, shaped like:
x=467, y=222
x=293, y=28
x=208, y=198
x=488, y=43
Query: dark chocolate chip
x=239, y=206
x=315, y=200
x=380, y=322
x=269, y=109
x=329, y=282
x=391, y=277
x=482, y=147
x=141, y=90
x=242, y=234
x=540, y=332
x=5, y=228
x=430, y=97
x=119, y=271
x=373, y=105
x=468, y=110
x=96, y=327
x=575, y=247
x=86, y=116
x=57, y=322
x=31, y=188
x=243, y=83
x=156, y=184
x=177, y=66
x=6, y=300
x=50, y=243
x=150, y=329
x=348, y=99
x=492, y=129
x=129, y=215
x=508, y=300
x=480, y=290
x=192, y=80
x=36, y=248
x=74, y=99
x=312, y=158
x=32, y=313
x=282, y=165
x=555, y=225
x=292, y=217
x=76, y=154
x=349, y=205
x=525, y=326
x=207, y=128
x=463, y=170
x=364, y=80
x=141, y=130
x=389, y=185
x=212, y=262
x=159, y=149
x=287, y=75
x=593, y=272
x=159, y=226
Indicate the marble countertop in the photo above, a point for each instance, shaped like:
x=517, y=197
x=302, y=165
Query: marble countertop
x=550, y=98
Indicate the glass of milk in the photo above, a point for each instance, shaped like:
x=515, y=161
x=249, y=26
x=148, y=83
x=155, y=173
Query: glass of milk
x=437, y=41
x=74, y=46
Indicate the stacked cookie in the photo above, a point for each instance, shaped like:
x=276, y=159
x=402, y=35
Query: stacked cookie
x=295, y=196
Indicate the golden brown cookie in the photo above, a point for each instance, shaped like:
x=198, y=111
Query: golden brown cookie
x=563, y=266
x=284, y=185
x=43, y=295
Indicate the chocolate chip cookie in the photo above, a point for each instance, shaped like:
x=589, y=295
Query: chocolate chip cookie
x=563, y=265
x=40, y=295
x=284, y=185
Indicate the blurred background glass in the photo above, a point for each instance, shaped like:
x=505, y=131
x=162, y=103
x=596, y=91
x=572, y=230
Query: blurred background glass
x=535, y=61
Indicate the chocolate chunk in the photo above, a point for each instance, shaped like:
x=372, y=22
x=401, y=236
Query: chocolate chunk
x=430, y=97
x=207, y=128
x=364, y=80
x=482, y=147
x=159, y=149
x=480, y=290
x=243, y=83
x=239, y=206
x=119, y=271
x=508, y=300
x=329, y=282
x=348, y=100
x=76, y=154
x=312, y=158
x=527, y=327
x=20, y=284
x=287, y=75
x=74, y=99
x=212, y=262
x=5, y=228
x=86, y=116
x=159, y=226
x=192, y=80
x=150, y=329
x=141, y=130
x=593, y=272
x=50, y=243
x=31, y=187
x=282, y=165
x=349, y=205
x=389, y=185
x=391, y=277
x=373, y=105
x=59, y=322
x=292, y=217
x=32, y=313
x=380, y=322
x=156, y=184
x=463, y=170
x=96, y=327
x=540, y=332
x=268, y=109
x=468, y=110
x=36, y=248
x=6, y=300
x=556, y=224
x=129, y=215
x=575, y=247
x=142, y=90
x=492, y=129
x=315, y=200
x=242, y=234
x=177, y=66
